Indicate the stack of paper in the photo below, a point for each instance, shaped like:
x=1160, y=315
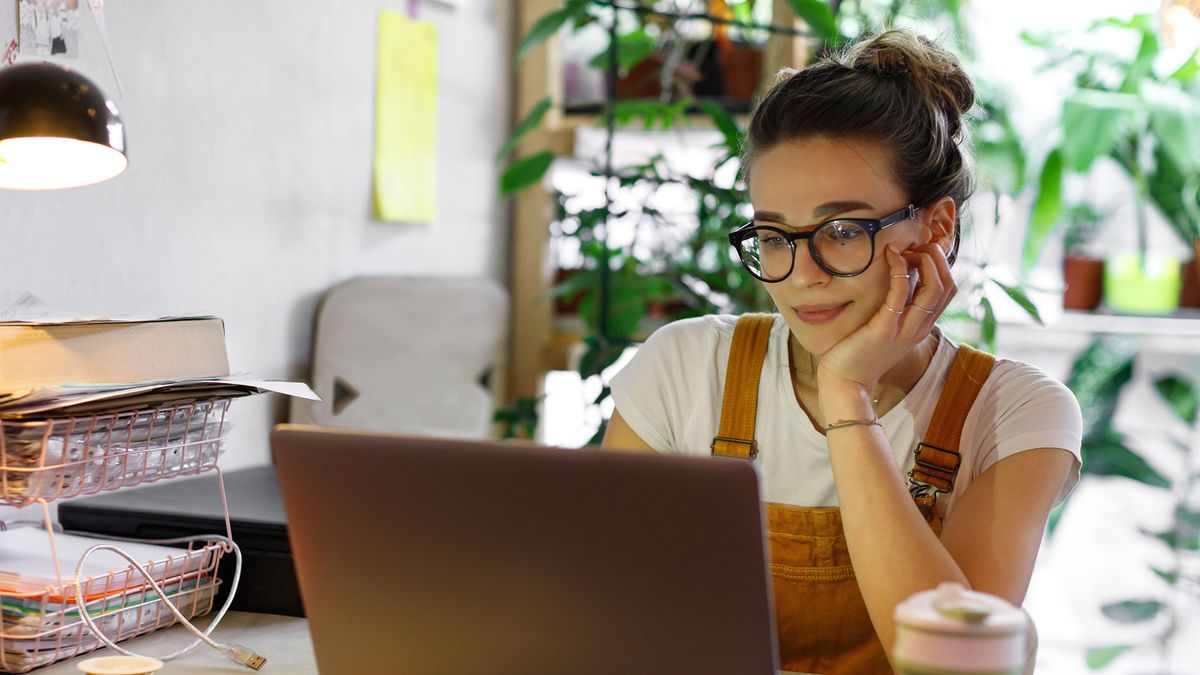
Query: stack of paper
x=91, y=404
x=40, y=619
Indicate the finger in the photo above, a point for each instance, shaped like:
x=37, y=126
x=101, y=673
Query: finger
x=897, y=295
x=929, y=302
x=932, y=294
x=945, y=276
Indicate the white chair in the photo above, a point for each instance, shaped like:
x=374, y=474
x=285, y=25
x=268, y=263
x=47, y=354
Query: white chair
x=406, y=355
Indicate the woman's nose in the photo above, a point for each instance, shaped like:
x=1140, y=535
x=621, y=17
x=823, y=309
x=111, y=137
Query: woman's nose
x=806, y=271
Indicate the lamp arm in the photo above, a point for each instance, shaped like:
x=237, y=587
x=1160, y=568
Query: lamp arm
x=98, y=13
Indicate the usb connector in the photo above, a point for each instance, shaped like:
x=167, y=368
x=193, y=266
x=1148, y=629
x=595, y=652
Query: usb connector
x=244, y=655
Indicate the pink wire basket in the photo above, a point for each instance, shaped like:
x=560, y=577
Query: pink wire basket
x=67, y=457
x=42, y=626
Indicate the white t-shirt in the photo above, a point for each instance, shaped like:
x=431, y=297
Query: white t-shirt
x=670, y=395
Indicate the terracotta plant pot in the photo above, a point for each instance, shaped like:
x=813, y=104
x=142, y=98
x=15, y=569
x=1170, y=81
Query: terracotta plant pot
x=1084, y=278
x=1189, y=295
x=567, y=305
x=741, y=65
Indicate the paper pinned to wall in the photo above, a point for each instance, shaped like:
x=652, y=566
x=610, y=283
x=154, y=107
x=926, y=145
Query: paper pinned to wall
x=406, y=120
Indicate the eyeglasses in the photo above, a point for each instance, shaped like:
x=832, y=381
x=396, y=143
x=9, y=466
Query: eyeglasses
x=843, y=247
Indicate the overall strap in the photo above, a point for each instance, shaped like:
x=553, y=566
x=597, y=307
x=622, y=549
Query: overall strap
x=739, y=406
x=938, y=455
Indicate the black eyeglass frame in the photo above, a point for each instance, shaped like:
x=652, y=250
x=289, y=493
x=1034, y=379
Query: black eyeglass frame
x=871, y=225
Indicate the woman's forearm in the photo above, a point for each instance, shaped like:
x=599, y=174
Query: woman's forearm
x=894, y=551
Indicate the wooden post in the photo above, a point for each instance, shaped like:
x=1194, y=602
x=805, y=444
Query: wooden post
x=783, y=51
x=538, y=75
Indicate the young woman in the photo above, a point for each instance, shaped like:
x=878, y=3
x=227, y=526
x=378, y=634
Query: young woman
x=857, y=174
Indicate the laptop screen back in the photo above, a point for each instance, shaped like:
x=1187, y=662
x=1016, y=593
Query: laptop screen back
x=422, y=555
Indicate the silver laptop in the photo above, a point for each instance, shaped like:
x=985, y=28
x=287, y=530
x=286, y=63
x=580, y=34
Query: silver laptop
x=418, y=555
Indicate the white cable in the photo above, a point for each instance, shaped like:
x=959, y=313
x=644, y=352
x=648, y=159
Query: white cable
x=238, y=653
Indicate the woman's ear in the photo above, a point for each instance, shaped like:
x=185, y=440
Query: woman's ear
x=939, y=223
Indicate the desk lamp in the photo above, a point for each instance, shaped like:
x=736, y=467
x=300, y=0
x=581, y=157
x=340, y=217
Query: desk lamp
x=57, y=130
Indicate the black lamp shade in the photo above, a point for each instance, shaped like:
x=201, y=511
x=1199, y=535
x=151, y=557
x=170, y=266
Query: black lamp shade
x=57, y=129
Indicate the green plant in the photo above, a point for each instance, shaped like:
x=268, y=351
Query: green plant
x=1082, y=221
x=687, y=267
x=1124, y=109
x=1098, y=377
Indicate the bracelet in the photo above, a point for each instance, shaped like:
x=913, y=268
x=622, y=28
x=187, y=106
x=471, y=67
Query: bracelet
x=853, y=423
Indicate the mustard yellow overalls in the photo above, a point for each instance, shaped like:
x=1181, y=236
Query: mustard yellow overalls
x=820, y=616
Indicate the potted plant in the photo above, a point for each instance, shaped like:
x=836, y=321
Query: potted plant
x=1148, y=123
x=1083, y=268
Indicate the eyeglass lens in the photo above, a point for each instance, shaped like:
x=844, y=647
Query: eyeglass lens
x=839, y=246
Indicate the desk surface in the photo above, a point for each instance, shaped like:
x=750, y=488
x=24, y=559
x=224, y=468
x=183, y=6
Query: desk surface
x=283, y=640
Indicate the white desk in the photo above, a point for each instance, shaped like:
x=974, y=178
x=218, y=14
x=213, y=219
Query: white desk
x=283, y=640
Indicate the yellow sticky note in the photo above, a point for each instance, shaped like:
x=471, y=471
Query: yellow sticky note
x=406, y=120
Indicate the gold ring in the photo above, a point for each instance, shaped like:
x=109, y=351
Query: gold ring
x=900, y=276
x=893, y=311
x=920, y=308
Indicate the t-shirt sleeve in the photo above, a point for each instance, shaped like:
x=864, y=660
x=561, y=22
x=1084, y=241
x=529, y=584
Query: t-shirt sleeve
x=653, y=390
x=1026, y=410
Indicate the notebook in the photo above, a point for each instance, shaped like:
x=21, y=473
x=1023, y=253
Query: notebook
x=419, y=555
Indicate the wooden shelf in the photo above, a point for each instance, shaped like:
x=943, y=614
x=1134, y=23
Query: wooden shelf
x=537, y=344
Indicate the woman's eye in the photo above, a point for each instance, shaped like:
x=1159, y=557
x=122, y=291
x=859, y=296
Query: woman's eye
x=772, y=241
x=844, y=233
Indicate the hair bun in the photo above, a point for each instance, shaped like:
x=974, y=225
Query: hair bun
x=935, y=72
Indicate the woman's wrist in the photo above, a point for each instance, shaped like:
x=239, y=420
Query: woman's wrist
x=841, y=400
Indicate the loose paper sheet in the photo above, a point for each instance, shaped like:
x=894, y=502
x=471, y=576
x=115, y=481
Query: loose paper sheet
x=406, y=120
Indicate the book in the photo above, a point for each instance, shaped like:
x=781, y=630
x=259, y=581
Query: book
x=37, y=355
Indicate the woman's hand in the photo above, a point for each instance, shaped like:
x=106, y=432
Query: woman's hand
x=861, y=358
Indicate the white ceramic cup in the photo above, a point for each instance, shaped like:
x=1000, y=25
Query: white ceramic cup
x=954, y=631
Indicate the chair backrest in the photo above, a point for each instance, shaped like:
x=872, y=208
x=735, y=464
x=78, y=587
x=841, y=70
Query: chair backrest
x=408, y=355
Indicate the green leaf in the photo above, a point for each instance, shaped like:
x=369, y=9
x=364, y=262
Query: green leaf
x=1175, y=122
x=525, y=172
x=549, y=24
x=1169, y=577
x=1143, y=64
x=521, y=416
x=819, y=18
x=1097, y=377
x=1181, y=394
x=1185, y=534
x=1132, y=611
x=1101, y=657
x=1187, y=72
x=1046, y=209
x=530, y=122
x=987, y=325
x=725, y=124
x=578, y=280
x=1019, y=297
x=1106, y=455
x=632, y=49
x=596, y=357
x=1091, y=119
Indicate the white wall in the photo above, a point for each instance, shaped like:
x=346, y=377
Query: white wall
x=250, y=132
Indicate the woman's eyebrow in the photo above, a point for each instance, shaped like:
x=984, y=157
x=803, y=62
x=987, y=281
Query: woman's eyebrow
x=826, y=209
x=770, y=215
x=830, y=208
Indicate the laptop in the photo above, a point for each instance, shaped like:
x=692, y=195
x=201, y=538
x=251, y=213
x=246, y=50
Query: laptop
x=419, y=555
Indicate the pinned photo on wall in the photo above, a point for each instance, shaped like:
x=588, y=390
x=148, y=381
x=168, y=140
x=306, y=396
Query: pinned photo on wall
x=8, y=32
x=49, y=28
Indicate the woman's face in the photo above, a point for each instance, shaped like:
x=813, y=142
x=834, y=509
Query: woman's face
x=802, y=183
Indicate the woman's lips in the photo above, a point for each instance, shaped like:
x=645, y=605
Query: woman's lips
x=815, y=314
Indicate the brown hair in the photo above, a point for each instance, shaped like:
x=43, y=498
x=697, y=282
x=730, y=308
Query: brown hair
x=896, y=89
